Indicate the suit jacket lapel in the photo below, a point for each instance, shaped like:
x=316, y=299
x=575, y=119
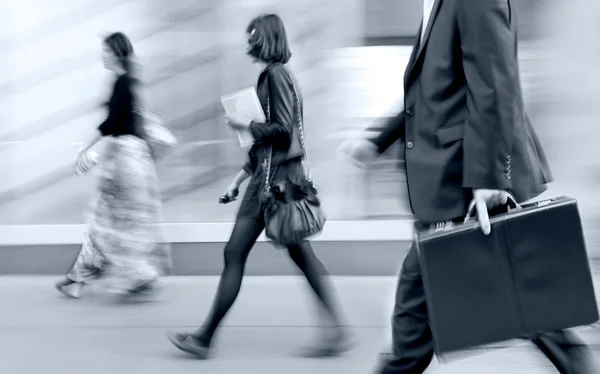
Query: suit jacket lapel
x=434, y=12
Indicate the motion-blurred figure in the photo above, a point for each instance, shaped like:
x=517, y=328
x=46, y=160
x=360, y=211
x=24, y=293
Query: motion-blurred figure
x=121, y=243
x=467, y=136
x=267, y=45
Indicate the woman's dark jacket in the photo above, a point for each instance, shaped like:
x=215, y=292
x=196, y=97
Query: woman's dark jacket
x=275, y=87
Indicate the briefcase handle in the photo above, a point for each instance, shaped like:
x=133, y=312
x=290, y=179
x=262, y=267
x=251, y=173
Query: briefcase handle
x=512, y=205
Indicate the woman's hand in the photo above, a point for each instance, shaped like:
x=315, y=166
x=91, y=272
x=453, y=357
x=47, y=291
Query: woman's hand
x=232, y=191
x=84, y=162
x=230, y=194
x=237, y=123
x=79, y=166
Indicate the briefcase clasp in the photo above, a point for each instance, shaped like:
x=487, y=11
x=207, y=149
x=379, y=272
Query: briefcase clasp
x=544, y=202
x=441, y=226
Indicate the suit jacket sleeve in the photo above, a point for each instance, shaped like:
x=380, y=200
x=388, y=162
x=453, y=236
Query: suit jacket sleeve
x=281, y=106
x=491, y=71
x=393, y=129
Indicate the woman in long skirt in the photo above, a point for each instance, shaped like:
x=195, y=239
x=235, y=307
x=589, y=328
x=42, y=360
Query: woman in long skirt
x=122, y=243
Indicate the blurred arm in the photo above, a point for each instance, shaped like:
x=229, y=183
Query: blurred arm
x=393, y=129
x=95, y=140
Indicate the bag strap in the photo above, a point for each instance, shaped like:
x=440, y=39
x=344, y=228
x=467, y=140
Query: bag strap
x=267, y=164
x=305, y=162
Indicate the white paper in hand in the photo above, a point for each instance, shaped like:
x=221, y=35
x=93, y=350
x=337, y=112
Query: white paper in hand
x=244, y=104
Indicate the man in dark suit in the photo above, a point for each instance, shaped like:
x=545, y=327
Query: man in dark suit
x=466, y=137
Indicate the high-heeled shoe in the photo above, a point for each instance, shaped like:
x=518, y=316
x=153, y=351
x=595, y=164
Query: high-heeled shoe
x=69, y=288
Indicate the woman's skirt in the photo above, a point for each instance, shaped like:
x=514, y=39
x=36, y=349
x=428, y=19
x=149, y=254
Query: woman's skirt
x=252, y=206
x=123, y=243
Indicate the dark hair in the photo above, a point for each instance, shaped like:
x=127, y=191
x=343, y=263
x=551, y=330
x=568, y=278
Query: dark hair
x=268, y=39
x=121, y=46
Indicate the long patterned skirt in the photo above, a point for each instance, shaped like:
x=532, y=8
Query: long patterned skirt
x=123, y=243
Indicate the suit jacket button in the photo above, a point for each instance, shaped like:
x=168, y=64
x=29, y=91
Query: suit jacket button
x=410, y=112
x=410, y=144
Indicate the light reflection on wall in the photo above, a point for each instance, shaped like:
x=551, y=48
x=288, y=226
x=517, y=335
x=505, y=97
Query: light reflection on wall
x=570, y=114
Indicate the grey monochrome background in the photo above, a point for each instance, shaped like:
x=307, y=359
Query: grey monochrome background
x=349, y=56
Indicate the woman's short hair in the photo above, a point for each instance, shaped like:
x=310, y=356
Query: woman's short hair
x=268, y=39
x=121, y=46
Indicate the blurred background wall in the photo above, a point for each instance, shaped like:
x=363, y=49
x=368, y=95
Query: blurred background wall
x=569, y=46
x=348, y=55
x=192, y=52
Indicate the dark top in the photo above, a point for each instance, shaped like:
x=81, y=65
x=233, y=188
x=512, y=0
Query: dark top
x=275, y=87
x=120, y=120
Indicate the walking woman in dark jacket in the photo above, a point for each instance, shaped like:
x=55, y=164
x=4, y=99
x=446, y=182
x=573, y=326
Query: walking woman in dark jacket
x=267, y=45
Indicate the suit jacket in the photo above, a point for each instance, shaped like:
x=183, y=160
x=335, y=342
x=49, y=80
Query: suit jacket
x=275, y=91
x=464, y=124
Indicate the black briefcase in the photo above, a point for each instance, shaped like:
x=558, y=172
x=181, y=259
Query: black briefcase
x=530, y=275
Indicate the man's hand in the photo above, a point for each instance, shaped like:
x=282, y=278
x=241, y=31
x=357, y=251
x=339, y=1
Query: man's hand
x=487, y=199
x=358, y=151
